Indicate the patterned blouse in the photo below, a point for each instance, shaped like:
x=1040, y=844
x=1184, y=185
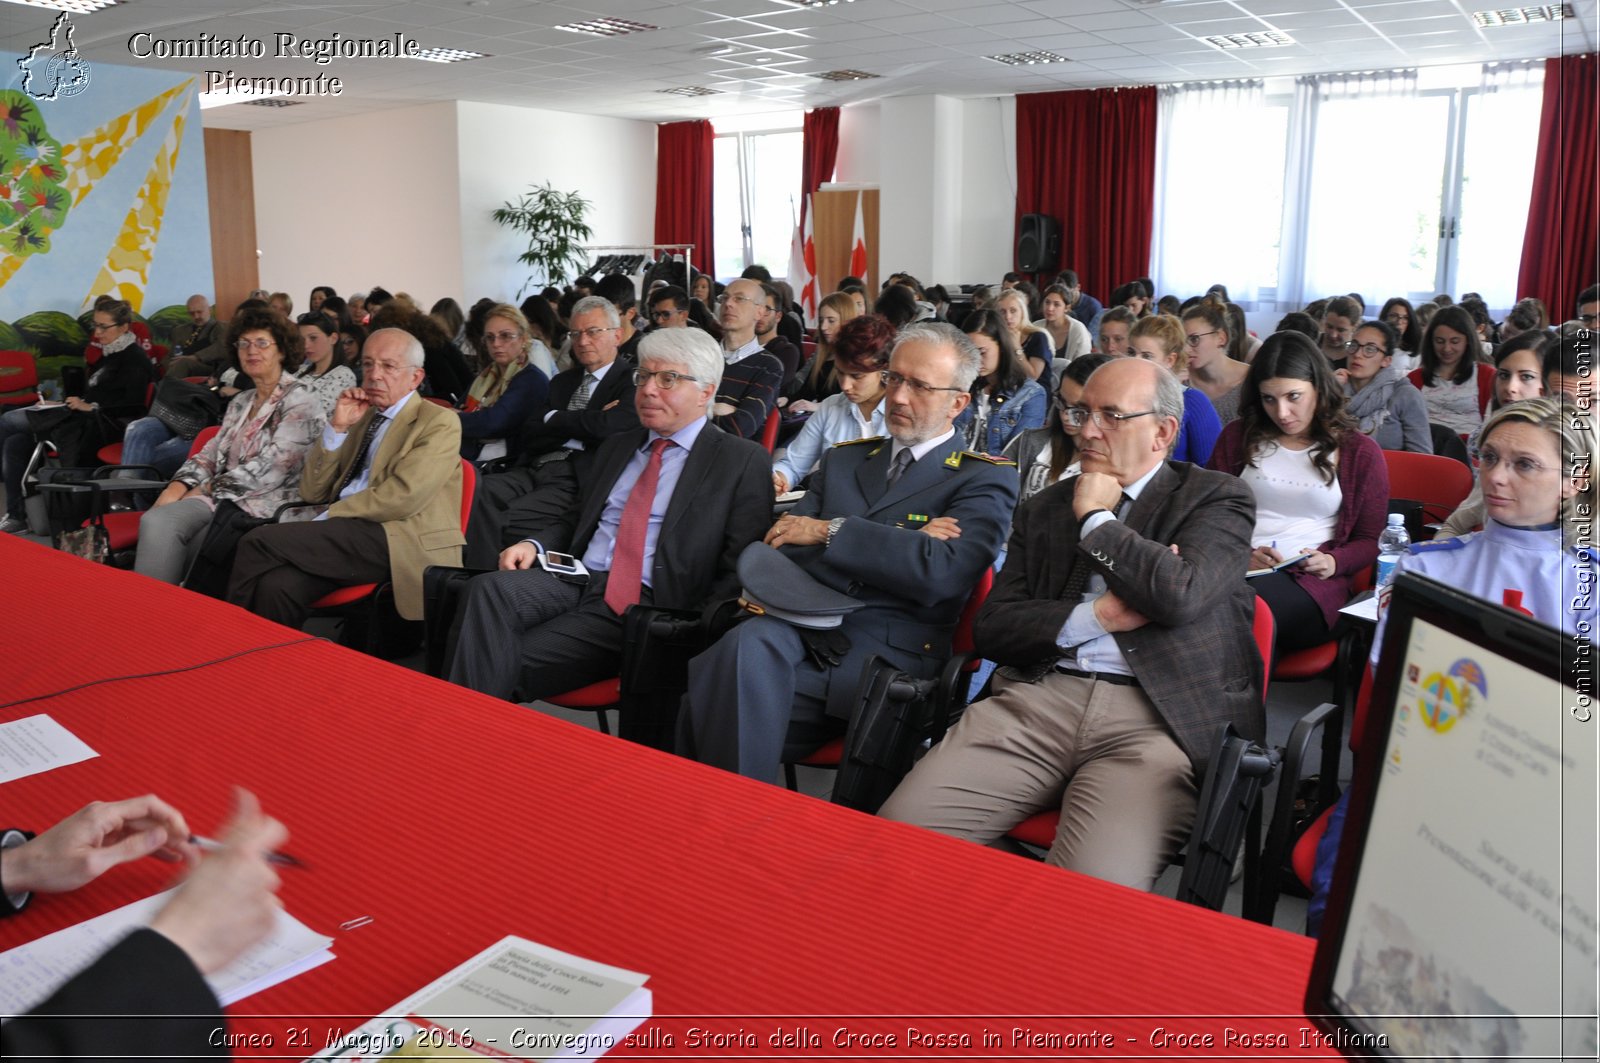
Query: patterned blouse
x=255, y=462
x=328, y=386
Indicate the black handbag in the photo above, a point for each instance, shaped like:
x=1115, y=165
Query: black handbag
x=213, y=565
x=184, y=407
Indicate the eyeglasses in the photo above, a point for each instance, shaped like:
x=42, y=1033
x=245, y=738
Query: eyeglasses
x=1396, y=319
x=1194, y=339
x=1587, y=319
x=501, y=337
x=589, y=333
x=385, y=368
x=1526, y=468
x=736, y=299
x=262, y=344
x=1105, y=420
x=1366, y=350
x=666, y=379
x=895, y=380
x=98, y=327
x=664, y=315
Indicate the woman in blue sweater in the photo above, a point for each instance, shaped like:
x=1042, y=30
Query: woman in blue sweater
x=1160, y=338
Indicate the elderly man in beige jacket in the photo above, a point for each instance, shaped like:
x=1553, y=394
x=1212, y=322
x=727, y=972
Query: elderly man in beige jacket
x=388, y=468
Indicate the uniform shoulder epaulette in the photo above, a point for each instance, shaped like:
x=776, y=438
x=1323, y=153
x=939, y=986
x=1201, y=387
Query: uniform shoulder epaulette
x=1439, y=546
x=863, y=439
x=992, y=459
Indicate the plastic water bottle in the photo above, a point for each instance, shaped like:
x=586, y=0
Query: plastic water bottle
x=1392, y=544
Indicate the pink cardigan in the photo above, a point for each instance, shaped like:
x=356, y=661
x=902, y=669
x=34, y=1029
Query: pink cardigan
x=1364, y=482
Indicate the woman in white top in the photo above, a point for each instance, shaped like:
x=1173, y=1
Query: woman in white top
x=1321, y=487
x=1068, y=335
x=325, y=372
x=860, y=355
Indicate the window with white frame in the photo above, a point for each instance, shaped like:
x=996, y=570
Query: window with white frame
x=1346, y=183
x=757, y=199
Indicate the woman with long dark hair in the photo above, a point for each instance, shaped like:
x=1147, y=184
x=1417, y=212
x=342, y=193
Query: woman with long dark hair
x=1399, y=315
x=1455, y=385
x=1050, y=454
x=1005, y=399
x=1321, y=487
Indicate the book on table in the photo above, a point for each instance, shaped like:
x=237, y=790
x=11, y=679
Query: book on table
x=516, y=999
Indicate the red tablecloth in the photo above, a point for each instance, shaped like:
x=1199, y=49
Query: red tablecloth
x=453, y=819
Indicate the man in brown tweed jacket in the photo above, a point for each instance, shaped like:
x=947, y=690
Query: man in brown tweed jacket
x=1123, y=621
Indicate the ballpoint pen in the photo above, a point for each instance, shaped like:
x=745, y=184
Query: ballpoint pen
x=211, y=845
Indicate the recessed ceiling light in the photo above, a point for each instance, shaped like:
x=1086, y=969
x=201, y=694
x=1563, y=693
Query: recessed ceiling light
x=607, y=27
x=820, y=3
x=77, y=7
x=1028, y=58
x=722, y=48
x=844, y=75
x=446, y=55
x=690, y=90
x=223, y=98
x=1522, y=16
x=273, y=101
x=1269, y=39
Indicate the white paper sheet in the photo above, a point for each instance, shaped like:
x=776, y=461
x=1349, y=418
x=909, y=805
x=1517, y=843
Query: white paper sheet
x=38, y=743
x=30, y=973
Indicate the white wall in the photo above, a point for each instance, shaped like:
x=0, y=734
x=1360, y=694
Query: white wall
x=988, y=190
x=947, y=170
x=857, y=161
x=354, y=202
x=611, y=162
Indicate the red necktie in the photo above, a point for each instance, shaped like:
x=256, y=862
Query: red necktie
x=627, y=554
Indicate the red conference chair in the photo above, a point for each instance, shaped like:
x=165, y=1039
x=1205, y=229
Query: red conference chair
x=599, y=698
x=122, y=526
x=769, y=431
x=1038, y=831
x=19, y=379
x=111, y=453
x=962, y=664
x=369, y=599
x=1440, y=484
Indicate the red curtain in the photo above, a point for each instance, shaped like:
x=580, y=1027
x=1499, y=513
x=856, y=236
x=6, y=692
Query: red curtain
x=683, y=188
x=1560, y=245
x=820, y=147
x=1088, y=159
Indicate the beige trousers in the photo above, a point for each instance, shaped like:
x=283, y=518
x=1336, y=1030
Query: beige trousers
x=1100, y=751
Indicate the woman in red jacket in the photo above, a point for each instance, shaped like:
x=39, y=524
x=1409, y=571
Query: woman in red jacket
x=1321, y=487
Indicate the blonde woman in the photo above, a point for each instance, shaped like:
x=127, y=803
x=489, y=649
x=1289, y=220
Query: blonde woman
x=502, y=396
x=820, y=378
x=1031, y=341
x=1160, y=338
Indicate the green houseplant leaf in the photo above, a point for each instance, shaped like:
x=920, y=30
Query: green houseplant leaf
x=554, y=225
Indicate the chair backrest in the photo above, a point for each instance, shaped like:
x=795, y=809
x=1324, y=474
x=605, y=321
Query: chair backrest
x=469, y=484
x=769, y=431
x=1265, y=629
x=202, y=438
x=961, y=641
x=1440, y=484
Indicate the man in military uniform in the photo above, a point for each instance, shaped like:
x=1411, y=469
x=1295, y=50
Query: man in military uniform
x=905, y=525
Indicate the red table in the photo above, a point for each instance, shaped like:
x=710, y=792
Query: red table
x=453, y=819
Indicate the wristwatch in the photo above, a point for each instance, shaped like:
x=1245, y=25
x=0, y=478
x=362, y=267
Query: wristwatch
x=1085, y=518
x=833, y=527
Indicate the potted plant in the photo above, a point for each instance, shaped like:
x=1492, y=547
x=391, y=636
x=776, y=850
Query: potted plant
x=553, y=222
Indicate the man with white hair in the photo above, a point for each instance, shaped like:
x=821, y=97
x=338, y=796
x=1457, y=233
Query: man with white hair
x=1122, y=620
x=902, y=528
x=661, y=519
x=388, y=470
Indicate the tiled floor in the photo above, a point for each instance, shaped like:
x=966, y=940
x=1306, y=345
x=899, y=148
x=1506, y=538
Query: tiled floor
x=1287, y=703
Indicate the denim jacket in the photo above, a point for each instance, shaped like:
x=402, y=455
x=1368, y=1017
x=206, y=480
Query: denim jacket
x=1008, y=415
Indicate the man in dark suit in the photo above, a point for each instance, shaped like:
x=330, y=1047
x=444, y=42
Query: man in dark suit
x=904, y=525
x=588, y=403
x=662, y=520
x=1125, y=632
